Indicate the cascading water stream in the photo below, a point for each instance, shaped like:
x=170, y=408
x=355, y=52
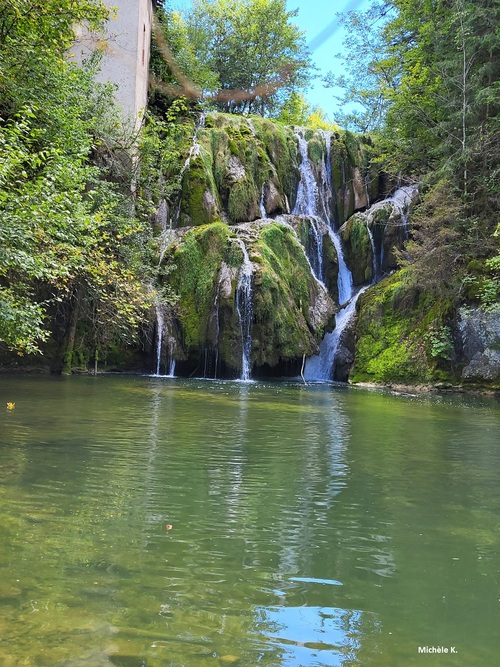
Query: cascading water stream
x=307, y=205
x=375, y=261
x=307, y=192
x=160, y=323
x=321, y=366
x=263, y=212
x=160, y=329
x=244, y=308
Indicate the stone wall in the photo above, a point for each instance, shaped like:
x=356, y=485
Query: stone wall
x=125, y=47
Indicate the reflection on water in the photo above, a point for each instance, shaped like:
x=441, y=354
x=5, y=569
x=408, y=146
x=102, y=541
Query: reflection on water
x=317, y=635
x=310, y=525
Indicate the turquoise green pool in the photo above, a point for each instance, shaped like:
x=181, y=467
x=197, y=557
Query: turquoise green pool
x=310, y=526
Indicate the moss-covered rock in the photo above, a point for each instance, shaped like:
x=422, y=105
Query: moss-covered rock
x=400, y=335
x=200, y=202
x=243, y=164
x=358, y=249
x=197, y=257
x=291, y=310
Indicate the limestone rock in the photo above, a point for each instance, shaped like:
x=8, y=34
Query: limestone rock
x=273, y=201
x=480, y=334
x=235, y=170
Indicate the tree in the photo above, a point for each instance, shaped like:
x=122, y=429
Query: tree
x=434, y=65
x=71, y=249
x=368, y=74
x=246, y=56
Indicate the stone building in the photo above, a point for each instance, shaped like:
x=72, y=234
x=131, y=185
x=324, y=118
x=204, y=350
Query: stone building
x=125, y=47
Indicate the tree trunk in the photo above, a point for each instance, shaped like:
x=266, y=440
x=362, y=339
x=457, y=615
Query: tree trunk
x=63, y=360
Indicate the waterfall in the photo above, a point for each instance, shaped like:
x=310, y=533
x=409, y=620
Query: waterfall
x=307, y=192
x=244, y=308
x=307, y=205
x=160, y=323
x=375, y=262
x=263, y=212
x=160, y=331
x=322, y=366
x=217, y=331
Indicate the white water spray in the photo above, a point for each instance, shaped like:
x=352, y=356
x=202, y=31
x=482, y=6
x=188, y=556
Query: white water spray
x=244, y=308
x=160, y=323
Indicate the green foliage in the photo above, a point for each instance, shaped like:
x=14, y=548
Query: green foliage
x=295, y=110
x=70, y=247
x=238, y=45
x=368, y=75
x=441, y=342
x=162, y=145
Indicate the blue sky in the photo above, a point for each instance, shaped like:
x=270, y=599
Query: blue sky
x=318, y=19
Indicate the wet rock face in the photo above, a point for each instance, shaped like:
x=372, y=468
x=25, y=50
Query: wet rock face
x=291, y=309
x=244, y=168
x=480, y=333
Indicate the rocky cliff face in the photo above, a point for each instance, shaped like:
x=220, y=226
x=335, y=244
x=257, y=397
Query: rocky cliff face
x=242, y=169
x=291, y=309
x=480, y=345
x=248, y=205
x=278, y=229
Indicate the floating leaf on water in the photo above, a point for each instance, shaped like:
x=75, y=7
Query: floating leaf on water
x=230, y=659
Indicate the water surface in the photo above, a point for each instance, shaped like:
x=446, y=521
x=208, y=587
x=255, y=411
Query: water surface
x=311, y=525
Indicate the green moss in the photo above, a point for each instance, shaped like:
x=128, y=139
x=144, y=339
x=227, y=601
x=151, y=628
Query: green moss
x=284, y=287
x=196, y=263
x=280, y=147
x=243, y=200
x=358, y=249
x=394, y=344
x=316, y=148
x=198, y=180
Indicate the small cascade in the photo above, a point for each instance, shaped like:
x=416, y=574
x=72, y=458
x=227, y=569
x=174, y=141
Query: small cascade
x=321, y=367
x=194, y=151
x=160, y=325
x=316, y=248
x=263, y=212
x=244, y=308
x=160, y=345
x=366, y=183
x=344, y=279
x=307, y=192
x=375, y=262
x=217, y=331
x=307, y=205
